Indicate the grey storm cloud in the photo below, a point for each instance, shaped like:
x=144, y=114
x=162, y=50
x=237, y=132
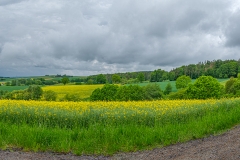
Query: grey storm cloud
x=8, y=2
x=233, y=30
x=88, y=37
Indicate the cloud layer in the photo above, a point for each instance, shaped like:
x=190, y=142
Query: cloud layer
x=89, y=37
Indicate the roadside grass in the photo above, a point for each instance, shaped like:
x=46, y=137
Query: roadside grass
x=95, y=134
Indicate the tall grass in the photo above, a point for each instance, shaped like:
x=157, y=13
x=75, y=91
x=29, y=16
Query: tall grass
x=98, y=131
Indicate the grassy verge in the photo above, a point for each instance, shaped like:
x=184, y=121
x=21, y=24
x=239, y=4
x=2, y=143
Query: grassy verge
x=104, y=136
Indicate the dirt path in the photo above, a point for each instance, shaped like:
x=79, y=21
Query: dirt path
x=222, y=147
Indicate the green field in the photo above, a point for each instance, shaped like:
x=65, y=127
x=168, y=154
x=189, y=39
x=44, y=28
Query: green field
x=12, y=88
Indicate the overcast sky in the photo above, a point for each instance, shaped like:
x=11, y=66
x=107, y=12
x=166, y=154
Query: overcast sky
x=85, y=37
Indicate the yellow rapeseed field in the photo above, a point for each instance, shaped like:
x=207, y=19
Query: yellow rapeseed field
x=83, y=91
x=108, y=108
x=69, y=114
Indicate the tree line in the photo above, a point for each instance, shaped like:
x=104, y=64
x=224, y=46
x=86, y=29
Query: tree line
x=216, y=68
x=42, y=81
x=204, y=87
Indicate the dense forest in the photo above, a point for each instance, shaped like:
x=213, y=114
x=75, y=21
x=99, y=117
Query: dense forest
x=215, y=68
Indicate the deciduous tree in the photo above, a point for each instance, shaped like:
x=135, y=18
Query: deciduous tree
x=182, y=81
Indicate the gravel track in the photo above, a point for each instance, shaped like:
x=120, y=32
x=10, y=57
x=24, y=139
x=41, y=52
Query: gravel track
x=222, y=147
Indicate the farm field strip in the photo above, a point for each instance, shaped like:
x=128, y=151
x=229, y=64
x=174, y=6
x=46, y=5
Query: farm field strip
x=83, y=91
x=110, y=127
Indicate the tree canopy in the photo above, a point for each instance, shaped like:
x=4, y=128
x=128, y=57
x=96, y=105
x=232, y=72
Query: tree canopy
x=182, y=81
x=65, y=80
x=205, y=87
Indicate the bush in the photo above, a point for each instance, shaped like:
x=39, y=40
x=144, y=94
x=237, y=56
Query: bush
x=35, y=92
x=96, y=95
x=72, y=97
x=50, y=95
x=236, y=87
x=229, y=85
x=107, y=93
x=182, y=81
x=205, y=87
x=130, y=93
x=152, y=91
x=180, y=94
x=168, y=89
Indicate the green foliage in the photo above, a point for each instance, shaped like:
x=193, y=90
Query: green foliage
x=168, y=89
x=90, y=81
x=132, y=81
x=107, y=93
x=35, y=92
x=65, y=80
x=205, y=87
x=159, y=75
x=141, y=77
x=127, y=93
x=96, y=95
x=236, y=87
x=101, y=79
x=72, y=97
x=50, y=95
x=31, y=93
x=180, y=94
x=122, y=93
x=229, y=85
x=116, y=78
x=152, y=91
x=2, y=94
x=135, y=93
x=182, y=81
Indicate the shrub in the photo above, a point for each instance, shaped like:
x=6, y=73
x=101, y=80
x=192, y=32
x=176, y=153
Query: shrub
x=96, y=95
x=108, y=92
x=50, y=95
x=72, y=97
x=229, y=85
x=152, y=91
x=205, y=87
x=180, y=94
x=182, y=81
x=168, y=89
x=35, y=92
